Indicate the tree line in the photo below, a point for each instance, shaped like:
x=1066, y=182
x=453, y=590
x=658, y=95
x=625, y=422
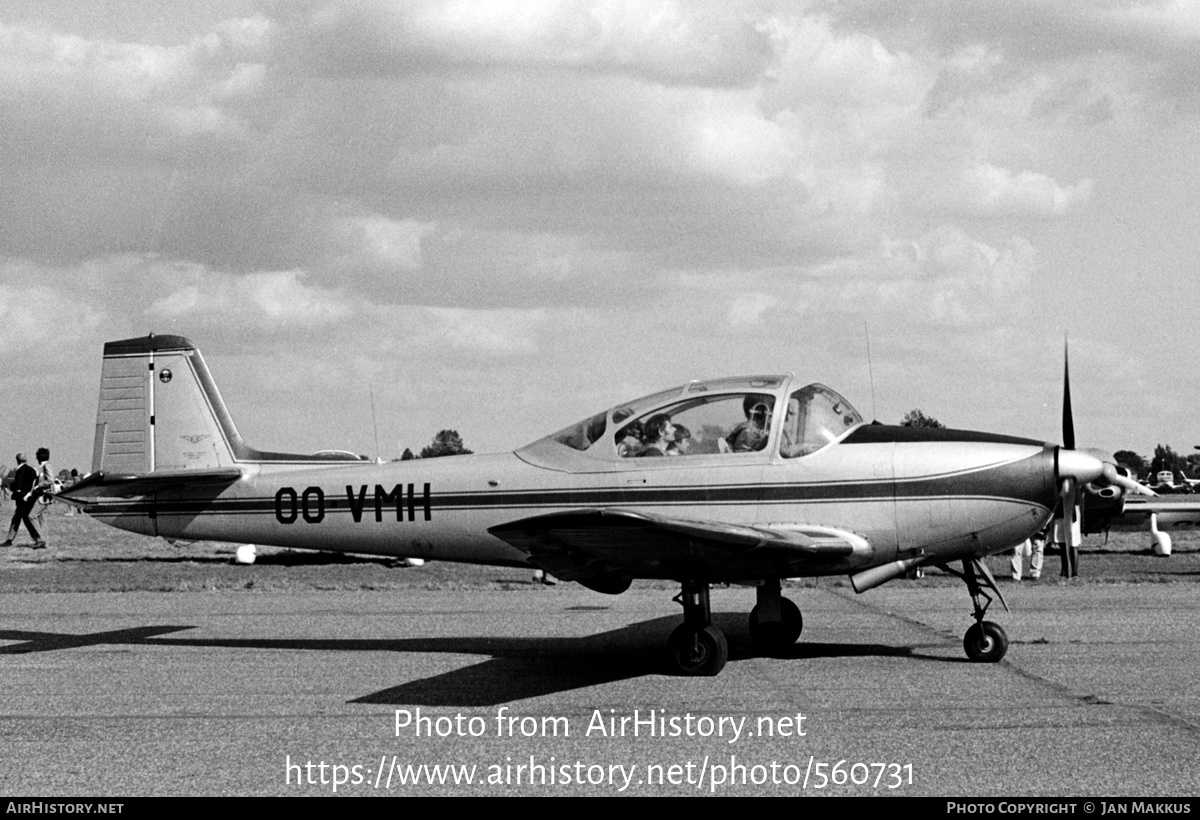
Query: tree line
x=445, y=443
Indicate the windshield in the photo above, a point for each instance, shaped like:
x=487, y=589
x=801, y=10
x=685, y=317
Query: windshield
x=816, y=416
x=730, y=415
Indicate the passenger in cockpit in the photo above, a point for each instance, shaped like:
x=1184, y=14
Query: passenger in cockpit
x=751, y=435
x=630, y=442
x=682, y=443
x=658, y=434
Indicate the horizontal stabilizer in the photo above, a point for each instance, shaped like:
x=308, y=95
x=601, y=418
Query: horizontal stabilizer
x=110, y=485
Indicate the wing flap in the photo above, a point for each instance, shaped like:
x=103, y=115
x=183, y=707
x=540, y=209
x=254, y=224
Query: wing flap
x=595, y=543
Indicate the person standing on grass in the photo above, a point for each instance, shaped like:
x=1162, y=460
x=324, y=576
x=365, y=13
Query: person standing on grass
x=24, y=488
x=47, y=484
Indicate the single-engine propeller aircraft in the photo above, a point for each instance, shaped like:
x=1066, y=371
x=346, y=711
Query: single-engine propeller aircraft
x=743, y=480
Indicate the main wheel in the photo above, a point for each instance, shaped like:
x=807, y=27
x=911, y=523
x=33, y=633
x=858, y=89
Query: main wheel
x=775, y=636
x=986, y=642
x=697, y=652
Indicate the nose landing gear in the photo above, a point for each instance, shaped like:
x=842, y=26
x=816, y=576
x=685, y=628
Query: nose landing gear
x=985, y=641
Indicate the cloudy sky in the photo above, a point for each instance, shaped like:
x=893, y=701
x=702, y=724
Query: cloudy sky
x=503, y=215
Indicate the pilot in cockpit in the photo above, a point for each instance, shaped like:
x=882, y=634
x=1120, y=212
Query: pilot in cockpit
x=658, y=434
x=751, y=435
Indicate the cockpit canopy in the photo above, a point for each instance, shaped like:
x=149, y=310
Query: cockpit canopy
x=718, y=417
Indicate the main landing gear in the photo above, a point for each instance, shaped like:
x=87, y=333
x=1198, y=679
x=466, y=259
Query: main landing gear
x=986, y=641
x=775, y=622
x=696, y=647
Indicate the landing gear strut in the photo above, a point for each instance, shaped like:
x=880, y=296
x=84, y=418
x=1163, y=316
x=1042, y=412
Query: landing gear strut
x=775, y=622
x=696, y=647
x=986, y=641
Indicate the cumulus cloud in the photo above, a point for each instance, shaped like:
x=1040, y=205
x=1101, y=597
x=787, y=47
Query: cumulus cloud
x=391, y=243
x=283, y=300
x=272, y=299
x=954, y=279
x=126, y=96
x=993, y=191
x=41, y=319
x=732, y=140
x=942, y=279
x=748, y=308
x=842, y=100
x=666, y=41
x=491, y=332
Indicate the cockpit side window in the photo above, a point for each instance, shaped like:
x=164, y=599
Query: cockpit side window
x=702, y=425
x=583, y=434
x=815, y=416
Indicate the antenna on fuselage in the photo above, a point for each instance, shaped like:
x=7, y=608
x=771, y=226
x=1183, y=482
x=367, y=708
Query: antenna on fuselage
x=374, y=423
x=870, y=370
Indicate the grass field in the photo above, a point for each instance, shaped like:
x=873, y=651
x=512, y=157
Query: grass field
x=87, y=556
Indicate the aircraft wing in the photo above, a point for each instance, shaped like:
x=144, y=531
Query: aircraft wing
x=106, y=485
x=584, y=544
x=1171, y=513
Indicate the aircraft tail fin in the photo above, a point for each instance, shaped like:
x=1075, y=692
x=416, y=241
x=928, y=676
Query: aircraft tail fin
x=160, y=411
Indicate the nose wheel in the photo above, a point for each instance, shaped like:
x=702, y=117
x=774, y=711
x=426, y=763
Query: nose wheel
x=985, y=642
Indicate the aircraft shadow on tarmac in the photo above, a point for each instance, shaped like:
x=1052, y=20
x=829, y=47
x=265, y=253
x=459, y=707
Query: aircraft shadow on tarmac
x=518, y=667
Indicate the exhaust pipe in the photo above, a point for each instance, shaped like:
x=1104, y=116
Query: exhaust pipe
x=873, y=577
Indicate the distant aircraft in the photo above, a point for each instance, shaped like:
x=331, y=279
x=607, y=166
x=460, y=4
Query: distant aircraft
x=1104, y=512
x=1164, y=483
x=779, y=479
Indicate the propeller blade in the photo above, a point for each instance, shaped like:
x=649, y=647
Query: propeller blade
x=1068, y=421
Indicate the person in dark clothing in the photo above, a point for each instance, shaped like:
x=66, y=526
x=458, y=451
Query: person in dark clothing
x=25, y=482
x=658, y=434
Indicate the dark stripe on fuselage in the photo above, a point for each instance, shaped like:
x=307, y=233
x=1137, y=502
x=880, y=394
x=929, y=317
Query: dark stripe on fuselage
x=895, y=434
